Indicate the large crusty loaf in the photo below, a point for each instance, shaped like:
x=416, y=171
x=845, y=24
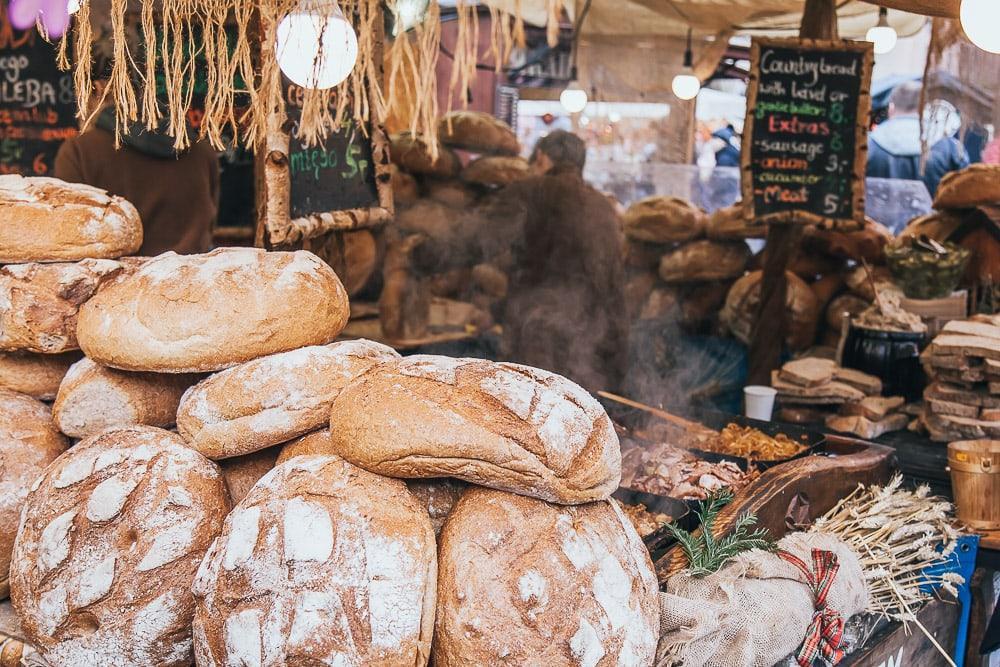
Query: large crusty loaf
x=413, y=154
x=703, y=261
x=317, y=442
x=478, y=132
x=37, y=375
x=739, y=314
x=40, y=303
x=94, y=398
x=664, y=220
x=242, y=472
x=500, y=425
x=48, y=220
x=29, y=441
x=731, y=224
x=200, y=313
x=976, y=185
x=273, y=399
x=496, y=170
x=523, y=582
x=321, y=563
x=110, y=540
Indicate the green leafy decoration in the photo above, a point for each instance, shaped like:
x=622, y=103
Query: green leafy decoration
x=705, y=554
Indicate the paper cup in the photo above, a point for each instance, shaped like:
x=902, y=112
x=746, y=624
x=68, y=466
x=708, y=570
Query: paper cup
x=759, y=402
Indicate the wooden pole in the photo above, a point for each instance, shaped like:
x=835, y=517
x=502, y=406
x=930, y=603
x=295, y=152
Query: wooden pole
x=819, y=21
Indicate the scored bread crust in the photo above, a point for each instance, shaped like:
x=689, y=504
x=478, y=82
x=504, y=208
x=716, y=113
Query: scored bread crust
x=40, y=303
x=49, y=220
x=271, y=400
x=664, y=220
x=501, y=425
x=478, y=132
x=321, y=563
x=94, y=398
x=976, y=185
x=37, y=375
x=202, y=313
x=525, y=582
x=29, y=441
x=110, y=539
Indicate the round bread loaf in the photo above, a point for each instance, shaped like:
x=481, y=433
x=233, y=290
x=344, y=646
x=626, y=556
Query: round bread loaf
x=200, y=313
x=437, y=496
x=273, y=399
x=730, y=224
x=317, y=442
x=500, y=425
x=739, y=314
x=664, y=220
x=404, y=187
x=523, y=582
x=321, y=563
x=110, y=539
x=29, y=441
x=40, y=303
x=496, y=170
x=353, y=255
x=94, y=398
x=705, y=261
x=976, y=185
x=48, y=220
x=478, y=132
x=413, y=154
x=37, y=375
x=242, y=472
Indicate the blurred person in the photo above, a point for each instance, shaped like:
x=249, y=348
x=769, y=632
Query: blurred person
x=565, y=307
x=895, y=146
x=176, y=193
x=726, y=143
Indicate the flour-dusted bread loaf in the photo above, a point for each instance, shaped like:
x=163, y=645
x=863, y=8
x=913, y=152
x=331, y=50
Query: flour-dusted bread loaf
x=500, y=425
x=496, y=170
x=413, y=154
x=273, y=399
x=479, y=132
x=730, y=224
x=317, y=442
x=976, y=185
x=201, y=313
x=29, y=441
x=94, y=398
x=110, y=539
x=37, y=375
x=437, y=496
x=242, y=472
x=523, y=582
x=48, y=220
x=321, y=563
x=704, y=261
x=664, y=220
x=40, y=303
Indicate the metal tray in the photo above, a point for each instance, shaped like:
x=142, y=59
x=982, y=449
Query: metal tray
x=659, y=541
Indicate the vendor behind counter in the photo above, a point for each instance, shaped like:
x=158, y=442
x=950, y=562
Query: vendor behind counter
x=176, y=194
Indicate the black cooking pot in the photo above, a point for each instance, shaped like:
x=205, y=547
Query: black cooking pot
x=893, y=356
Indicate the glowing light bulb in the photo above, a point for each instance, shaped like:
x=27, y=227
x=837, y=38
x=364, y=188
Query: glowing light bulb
x=574, y=98
x=316, y=45
x=981, y=20
x=686, y=85
x=882, y=35
x=614, y=117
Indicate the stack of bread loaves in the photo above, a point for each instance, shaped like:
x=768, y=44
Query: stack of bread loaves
x=131, y=552
x=433, y=198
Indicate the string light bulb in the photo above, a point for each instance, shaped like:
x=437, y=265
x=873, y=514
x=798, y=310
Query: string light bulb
x=882, y=35
x=573, y=98
x=981, y=23
x=686, y=85
x=316, y=44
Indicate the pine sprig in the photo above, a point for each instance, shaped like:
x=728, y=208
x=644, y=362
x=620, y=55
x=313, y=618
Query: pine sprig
x=705, y=554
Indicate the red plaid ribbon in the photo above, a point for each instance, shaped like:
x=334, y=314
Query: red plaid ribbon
x=826, y=631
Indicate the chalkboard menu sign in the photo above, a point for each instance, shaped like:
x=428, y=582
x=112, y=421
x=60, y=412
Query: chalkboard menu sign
x=805, y=136
x=338, y=174
x=37, y=102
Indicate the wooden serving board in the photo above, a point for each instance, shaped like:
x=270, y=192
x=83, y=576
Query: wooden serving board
x=814, y=483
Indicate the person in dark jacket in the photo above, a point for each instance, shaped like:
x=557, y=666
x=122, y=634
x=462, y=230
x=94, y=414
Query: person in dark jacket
x=176, y=194
x=894, y=147
x=728, y=152
x=565, y=308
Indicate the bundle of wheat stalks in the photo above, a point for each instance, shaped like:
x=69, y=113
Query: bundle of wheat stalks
x=898, y=535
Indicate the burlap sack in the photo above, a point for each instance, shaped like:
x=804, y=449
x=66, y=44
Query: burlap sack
x=756, y=610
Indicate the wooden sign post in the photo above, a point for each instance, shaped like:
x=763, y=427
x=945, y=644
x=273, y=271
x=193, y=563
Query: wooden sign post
x=37, y=102
x=804, y=145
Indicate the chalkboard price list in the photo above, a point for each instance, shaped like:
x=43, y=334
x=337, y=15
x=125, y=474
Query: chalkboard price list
x=803, y=126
